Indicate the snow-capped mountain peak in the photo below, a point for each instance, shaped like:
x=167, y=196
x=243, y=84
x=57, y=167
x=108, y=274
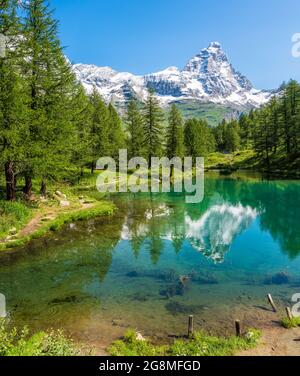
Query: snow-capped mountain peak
x=207, y=77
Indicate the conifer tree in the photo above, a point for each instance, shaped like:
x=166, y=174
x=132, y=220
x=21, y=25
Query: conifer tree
x=82, y=122
x=199, y=138
x=232, y=137
x=175, y=134
x=116, y=133
x=51, y=88
x=245, y=131
x=12, y=96
x=153, y=130
x=291, y=110
x=99, y=132
x=134, y=120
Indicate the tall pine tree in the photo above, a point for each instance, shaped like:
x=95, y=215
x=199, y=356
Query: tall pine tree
x=175, y=134
x=99, y=129
x=116, y=132
x=153, y=130
x=12, y=96
x=51, y=89
x=135, y=123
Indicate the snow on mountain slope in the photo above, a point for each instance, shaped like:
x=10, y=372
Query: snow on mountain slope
x=208, y=78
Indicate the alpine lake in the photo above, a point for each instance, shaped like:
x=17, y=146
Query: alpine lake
x=159, y=260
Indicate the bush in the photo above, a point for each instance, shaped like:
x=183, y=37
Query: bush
x=53, y=343
x=130, y=346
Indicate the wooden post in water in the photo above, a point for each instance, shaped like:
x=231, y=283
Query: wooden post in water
x=272, y=302
x=191, y=326
x=289, y=313
x=238, y=328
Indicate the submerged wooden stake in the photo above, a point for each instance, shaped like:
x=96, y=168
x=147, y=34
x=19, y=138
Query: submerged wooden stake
x=272, y=302
x=238, y=328
x=289, y=313
x=191, y=326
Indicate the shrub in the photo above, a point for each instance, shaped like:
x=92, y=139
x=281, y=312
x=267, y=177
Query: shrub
x=54, y=343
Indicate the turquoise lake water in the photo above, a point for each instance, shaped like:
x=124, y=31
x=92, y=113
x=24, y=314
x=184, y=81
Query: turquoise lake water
x=159, y=260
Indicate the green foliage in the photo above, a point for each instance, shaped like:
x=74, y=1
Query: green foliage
x=213, y=114
x=289, y=324
x=227, y=136
x=153, y=132
x=241, y=159
x=199, y=138
x=116, y=133
x=51, y=88
x=130, y=346
x=200, y=345
x=99, y=209
x=135, y=123
x=175, y=135
x=13, y=215
x=106, y=134
x=274, y=130
x=14, y=343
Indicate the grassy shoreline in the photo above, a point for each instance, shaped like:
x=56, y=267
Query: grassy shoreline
x=15, y=342
x=98, y=210
x=248, y=160
x=200, y=344
x=23, y=221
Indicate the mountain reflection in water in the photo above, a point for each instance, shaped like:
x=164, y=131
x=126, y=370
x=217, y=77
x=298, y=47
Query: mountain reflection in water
x=214, y=233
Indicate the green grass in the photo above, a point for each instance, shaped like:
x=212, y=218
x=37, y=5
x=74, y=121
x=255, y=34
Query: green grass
x=280, y=165
x=100, y=209
x=243, y=159
x=212, y=113
x=54, y=343
x=17, y=214
x=289, y=324
x=200, y=345
x=13, y=215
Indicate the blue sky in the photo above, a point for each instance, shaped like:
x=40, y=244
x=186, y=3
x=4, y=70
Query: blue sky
x=143, y=36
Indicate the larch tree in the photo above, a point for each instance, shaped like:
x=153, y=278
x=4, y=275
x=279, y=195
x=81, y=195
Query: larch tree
x=99, y=145
x=175, y=134
x=153, y=129
x=116, y=133
x=51, y=88
x=13, y=115
x=135, y=123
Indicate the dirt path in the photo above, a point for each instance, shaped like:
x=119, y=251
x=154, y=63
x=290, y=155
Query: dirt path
x=36, y=223
x=45, y=215
x=277, y=341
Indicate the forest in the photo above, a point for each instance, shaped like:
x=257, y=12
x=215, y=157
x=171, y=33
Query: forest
x=51, y=129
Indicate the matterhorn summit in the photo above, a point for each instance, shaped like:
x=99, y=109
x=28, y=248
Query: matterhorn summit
x=208, y=77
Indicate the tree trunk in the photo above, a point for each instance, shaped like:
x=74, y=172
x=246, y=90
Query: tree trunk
x=10, y=181
x=92, y=167
x=27, y=190
x=43, y=188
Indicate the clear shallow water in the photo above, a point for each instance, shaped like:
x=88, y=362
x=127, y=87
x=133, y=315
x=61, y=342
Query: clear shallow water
x=159, y=260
